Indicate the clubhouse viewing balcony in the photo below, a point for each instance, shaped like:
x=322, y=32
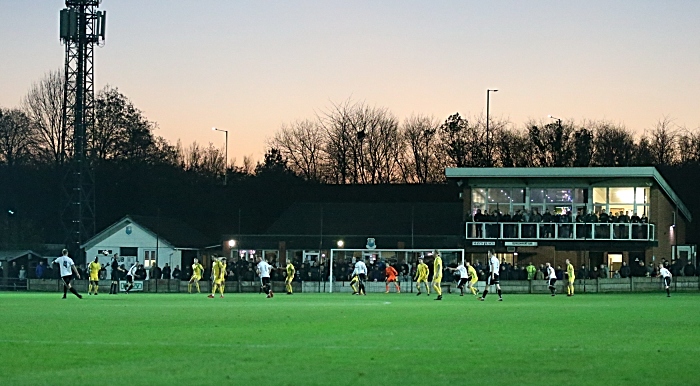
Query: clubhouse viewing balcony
x=560, y=231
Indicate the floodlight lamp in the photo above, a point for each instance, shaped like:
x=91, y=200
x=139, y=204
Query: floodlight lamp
x=340, y=243
x=232, y=243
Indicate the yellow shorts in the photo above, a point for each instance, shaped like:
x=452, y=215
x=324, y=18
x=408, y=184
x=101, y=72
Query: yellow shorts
x=571, y=280
x=219, y=281
x=94, y=278
x=474, y=280
x=195, y=278
x=437, y=280
x=422, y=280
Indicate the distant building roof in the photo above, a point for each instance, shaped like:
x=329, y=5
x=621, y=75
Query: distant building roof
x=10, y=255
x=175, y=232
x=591, y=173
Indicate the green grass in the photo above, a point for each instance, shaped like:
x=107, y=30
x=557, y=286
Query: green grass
x=324, y=339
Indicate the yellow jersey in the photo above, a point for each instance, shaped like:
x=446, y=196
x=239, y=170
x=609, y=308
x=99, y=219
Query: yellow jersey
x=290, y=270
x=197, y=270
x=570, y=271
x=472, y=273
x=94, y=269
x=219, y=269
x=437, y=268
x=423, y=271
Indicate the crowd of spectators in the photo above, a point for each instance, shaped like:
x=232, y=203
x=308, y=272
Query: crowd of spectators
x=566, y=221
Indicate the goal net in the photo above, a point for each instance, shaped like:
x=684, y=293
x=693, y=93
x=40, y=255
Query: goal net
x=405, y=261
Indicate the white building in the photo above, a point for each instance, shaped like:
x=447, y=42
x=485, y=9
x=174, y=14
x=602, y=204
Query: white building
x=150, y=240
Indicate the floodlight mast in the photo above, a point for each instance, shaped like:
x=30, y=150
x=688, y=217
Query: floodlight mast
x=81, y=26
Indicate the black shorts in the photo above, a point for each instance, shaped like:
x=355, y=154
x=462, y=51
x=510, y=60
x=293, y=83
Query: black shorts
x=362, y=277
x=667, y=281
x=115, y=275
x=493, y=280
x=67, y=279
x=266, y=280
x=129, y=279
x=462, y=282
x=552, y=281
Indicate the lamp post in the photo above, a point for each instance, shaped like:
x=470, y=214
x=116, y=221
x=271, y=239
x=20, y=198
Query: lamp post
x=550, y=116
x=225, y=155
x=488, y=138
x=231, y=245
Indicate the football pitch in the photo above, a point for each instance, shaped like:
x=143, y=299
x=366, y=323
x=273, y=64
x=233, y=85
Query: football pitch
x=339, y=339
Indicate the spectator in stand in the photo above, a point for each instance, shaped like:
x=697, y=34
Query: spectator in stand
x=166, y=271
x=604, y=271
x=81, y=271
x=604, y=218
x=40, y=270
x=140, y=273
x=559, y=273
x=48, y=272
x=543, y=269
x=152, y=272
x=159, y=272
x=583, y=272
x=649, y=270
x=595, y=274
x=625, y=270
x=13, y=273
x=539, y=275
x=531, y=271
x=22, y=273
x=675, y=268
x=689, y=269
x=616, y=275
x=103, y=272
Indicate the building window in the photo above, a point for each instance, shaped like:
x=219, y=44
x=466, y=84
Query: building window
x=129, y=251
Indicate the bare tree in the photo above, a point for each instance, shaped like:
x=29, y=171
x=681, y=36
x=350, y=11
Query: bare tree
x=301, y=144
x=511, y=147
x=16, y=137
x=420, y=133
x=613, y=145
x=663, y=141
x=552, y=144
x=689, y=146
x=43, y=105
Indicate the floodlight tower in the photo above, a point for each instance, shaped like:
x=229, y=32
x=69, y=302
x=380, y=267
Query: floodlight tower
x=82, y=26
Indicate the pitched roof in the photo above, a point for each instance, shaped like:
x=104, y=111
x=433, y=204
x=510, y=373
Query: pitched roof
x=10, y=255
x=172, y=231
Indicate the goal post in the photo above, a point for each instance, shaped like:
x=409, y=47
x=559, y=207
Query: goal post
x=342, y=262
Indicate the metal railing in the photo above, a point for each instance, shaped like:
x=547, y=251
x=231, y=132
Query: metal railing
x=560, y=231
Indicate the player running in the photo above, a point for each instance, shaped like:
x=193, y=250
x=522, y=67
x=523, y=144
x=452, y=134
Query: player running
x=463, y=276
x=94, y=283
x=291, y=271
x=263, y=269
x=666, y=274
x=473, y=278
x=197, y=270
x=571, y=277
x=494, y=266
x=67, y=267
x=130, y=276
x=552, y=277
x=218, y=270
x=361, y=273
x=391, y=278
x=422, y=272
x=437, y=275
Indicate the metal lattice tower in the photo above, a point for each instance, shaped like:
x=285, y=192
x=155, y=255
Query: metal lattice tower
x=82, y=26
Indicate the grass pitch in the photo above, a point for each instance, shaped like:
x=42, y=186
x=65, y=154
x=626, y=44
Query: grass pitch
x=338, y=339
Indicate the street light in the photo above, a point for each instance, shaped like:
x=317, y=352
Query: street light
x=225, y=155
x=488, y=139
x=550, y=116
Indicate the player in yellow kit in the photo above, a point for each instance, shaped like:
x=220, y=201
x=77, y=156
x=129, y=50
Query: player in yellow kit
x=197, y=270
x=94, y=269
x=437, y=275
x=291, y=271
x=422, y=276
x=473, y=278
x=571, y=276
x=218, y=270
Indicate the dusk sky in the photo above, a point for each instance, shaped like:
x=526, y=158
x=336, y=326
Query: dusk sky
x=251, y=66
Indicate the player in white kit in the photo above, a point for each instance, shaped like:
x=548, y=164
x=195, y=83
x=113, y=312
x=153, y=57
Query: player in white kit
x=494, y=267
x=130, y=276
x=552, y=278
x=361, y=273
x=264, y=270
x=666, y=274
x=67, y=267
x=463, y=277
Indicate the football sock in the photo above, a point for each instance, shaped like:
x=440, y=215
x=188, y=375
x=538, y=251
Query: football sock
x=90, y=288
x=668, y=291
x=198, y=291
x=189, y=287
x=65, y=291
x=74, y=292
x=473, y=291
x=500, y=293
x=221, y=289
x=387, y=288
x=572, y=289
x=485, y=293
x=96, y=288
x=398, y=288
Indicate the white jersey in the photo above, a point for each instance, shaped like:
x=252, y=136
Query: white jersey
x=495, y=265
x=462, y=271
x=264, y=268
x=132, y=270
x=550, y=273
x=665, y=273
x=360, y=268
x=66, y=264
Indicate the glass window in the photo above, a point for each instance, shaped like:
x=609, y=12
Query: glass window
x=580, y=195
x=499, y=195
x=518, y=195
x=641, y=195
x=537, y=196
x=600, y=195
x=622, y=195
